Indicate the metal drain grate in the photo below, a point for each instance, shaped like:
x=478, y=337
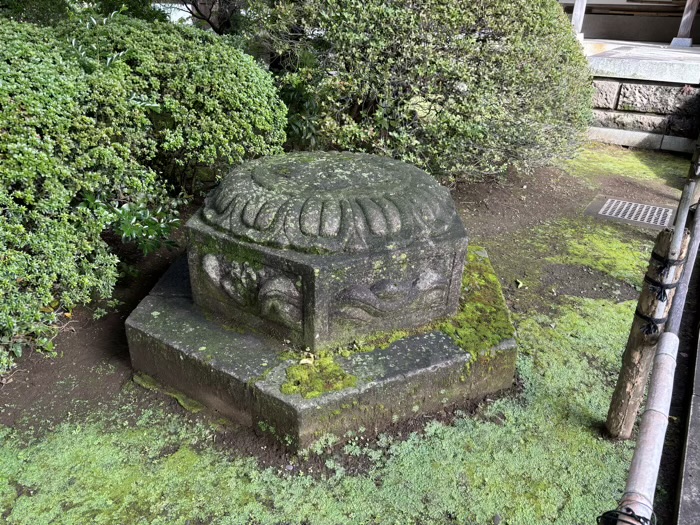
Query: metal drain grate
x=636, y=212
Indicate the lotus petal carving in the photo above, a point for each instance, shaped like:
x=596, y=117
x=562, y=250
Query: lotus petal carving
x=330, y=203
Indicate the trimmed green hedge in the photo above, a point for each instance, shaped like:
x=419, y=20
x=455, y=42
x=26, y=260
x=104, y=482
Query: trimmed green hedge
x=44, y=12
x=463, y=89
x=185, y=101
x=51, y=253
x=89, y=137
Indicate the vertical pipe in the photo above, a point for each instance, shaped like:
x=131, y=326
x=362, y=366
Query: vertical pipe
x=691, y=7
x=641, y=482
x=676, y=313
x=579, y=12
x=681, y=219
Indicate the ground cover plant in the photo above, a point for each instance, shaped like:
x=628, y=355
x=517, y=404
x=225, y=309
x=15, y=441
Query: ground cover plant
x=508, y=461
x=463, y=90
x=535, y=456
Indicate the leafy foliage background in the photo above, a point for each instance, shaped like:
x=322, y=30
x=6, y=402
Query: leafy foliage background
x=99, y=119
x=461, y=89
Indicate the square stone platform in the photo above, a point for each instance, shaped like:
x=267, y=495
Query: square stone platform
x=240, y=373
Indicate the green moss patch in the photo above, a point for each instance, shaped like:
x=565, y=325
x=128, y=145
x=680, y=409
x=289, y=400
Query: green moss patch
x=597, y=160
x=617, y=251
x=184, y=401
x=483, y=320
x=314, y=376
x=538, y=459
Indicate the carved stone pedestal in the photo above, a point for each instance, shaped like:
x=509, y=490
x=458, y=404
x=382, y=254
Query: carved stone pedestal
x=294, y=257
x=323, y=248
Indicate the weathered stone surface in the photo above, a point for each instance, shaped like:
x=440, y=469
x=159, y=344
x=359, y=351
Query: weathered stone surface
x=660, y=98
x=416, y=375
x=329, y=202
x=605, y=93
x=687, y=127
x=632, y=121
x=384, y=254
x=624, y=137
x=647, y=64
x=240, y=374
x=677, y=144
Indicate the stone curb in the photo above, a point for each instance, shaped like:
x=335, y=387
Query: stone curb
x=641, y=139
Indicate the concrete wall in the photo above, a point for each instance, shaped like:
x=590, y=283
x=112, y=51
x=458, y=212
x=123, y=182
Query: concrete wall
x=662, y=26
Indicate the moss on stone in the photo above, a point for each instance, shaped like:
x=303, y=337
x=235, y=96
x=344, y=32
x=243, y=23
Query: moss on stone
x=315, y=376
x=483, y=320
x=184, y=401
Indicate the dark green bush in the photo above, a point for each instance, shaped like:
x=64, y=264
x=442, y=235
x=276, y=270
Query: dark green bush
x=86, y=125
x=44, y=12
x=52, y=12
x=186, y=102
x=62, y=183
x=459, y=88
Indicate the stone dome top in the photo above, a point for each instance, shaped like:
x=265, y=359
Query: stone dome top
x=324, y=202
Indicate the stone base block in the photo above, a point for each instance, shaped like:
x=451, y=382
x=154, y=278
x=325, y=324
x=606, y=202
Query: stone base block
x=321, y=301
x=661, y=124
x=656, y=65
x=641, y=139
x=662, y=99
x=605, y=93
x=240, y=374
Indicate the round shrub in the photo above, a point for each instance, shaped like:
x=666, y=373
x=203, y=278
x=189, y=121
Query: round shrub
x=183, y=100
x=459, y=88
x=51, y=253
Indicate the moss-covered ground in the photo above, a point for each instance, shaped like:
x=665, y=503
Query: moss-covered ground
x=536, y=458
x=533, y=457
x=595, y=161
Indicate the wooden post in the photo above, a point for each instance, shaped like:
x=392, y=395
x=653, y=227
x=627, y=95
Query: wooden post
x=664, y=272
x=684, y=39
x=577, y=16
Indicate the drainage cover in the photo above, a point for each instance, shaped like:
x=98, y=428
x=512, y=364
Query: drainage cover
x=636, y=212
x=655, y=216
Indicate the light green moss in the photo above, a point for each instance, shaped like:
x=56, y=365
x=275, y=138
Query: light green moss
x=538, y=459
x=613, y=250
x=317, y=376
x=597, y=160
x=184, y=401
x=483, y=320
